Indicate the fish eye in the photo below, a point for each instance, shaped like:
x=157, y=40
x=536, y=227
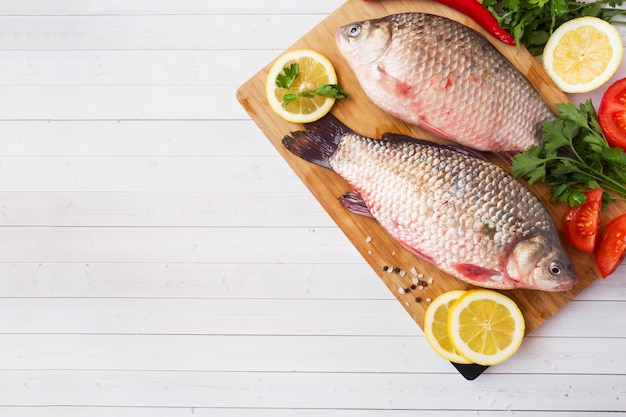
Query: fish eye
x=354, y=30
x=556, y=268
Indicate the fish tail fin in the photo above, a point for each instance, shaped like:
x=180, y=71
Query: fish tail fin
x=329, y=126
x=320, y=140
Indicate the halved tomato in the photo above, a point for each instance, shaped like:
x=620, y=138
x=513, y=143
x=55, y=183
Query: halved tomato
x=612, y=114
x=581, y=222
x=611, y=246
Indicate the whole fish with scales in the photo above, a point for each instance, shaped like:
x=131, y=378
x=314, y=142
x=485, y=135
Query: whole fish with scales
x=451, y=207
x=446, y=78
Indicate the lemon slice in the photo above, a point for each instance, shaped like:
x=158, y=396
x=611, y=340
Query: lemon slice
x=485, y=326
x=582, y=54
x=315, y=70
x=436, y=326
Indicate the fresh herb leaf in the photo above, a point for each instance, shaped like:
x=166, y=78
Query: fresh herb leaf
x=614, y=155
x=326, y=90
x=289, y=75
x=289, y=97
x=557, y=134
x=576, y=197
x=286, y=78
x=330, y=91
x=560, y=193
x=569, y=112
x=575, y=157
x=595, y=143
x=530, y=165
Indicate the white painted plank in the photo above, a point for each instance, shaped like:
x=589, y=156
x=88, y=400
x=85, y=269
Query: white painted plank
x=134, y=138
x=191, y=280
x=311, y=390
x=245, y=353
x=120, y=103
x=89, y=7
x=219, y=353
x=82, y=411
x=132, y=67
x=189, y=31
x=170, y=244
x=575, y=355
x=152, y=174
x=177, y=209
x=612, y=288
x=584, y=319
x=205, y=316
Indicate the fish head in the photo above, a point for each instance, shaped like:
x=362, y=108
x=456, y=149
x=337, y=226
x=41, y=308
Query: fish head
x=363, y=43
x=539, y=262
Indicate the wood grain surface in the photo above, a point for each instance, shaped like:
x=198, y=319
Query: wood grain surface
x=372, y=241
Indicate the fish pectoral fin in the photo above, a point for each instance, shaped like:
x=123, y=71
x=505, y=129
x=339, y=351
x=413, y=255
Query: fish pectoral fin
x=477, y=273
x=354, y=203
x=430, y=128
x=393, y=84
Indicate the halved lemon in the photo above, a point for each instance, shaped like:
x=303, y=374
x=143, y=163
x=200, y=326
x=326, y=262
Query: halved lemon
x=485, y=326
x=582, y=54
x=315, y=70
x=436, y=326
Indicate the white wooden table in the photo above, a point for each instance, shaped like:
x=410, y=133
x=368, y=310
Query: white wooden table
x=159, y=259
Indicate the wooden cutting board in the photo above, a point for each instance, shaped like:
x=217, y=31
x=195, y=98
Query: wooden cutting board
x=358, y=112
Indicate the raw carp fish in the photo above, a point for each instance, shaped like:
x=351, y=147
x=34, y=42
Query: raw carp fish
x=448, y=205
x=446, y=78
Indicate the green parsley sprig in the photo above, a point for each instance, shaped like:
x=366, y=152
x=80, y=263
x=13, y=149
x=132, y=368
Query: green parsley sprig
x=531, y=22
x=575, y=157
x=289, y=75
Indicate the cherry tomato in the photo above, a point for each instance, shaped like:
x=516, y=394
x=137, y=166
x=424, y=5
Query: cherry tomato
x=581, y=222
x=612, y=114
x=611, y=246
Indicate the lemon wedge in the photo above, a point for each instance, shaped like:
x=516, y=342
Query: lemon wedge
x=436, y=326
x=315, y=71
x=485, y=326
x=582, y=54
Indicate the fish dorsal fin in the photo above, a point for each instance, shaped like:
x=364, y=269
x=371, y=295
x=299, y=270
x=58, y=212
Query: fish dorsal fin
x=396, y=137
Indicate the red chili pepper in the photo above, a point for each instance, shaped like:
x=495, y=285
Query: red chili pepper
x=478, y=13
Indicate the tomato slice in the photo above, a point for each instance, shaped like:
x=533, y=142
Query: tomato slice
x=582, y=222
x=611, y=246
x=612, y=114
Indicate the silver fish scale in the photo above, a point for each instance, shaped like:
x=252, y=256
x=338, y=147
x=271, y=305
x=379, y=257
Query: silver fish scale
x=453, y=80
x=426, y=195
